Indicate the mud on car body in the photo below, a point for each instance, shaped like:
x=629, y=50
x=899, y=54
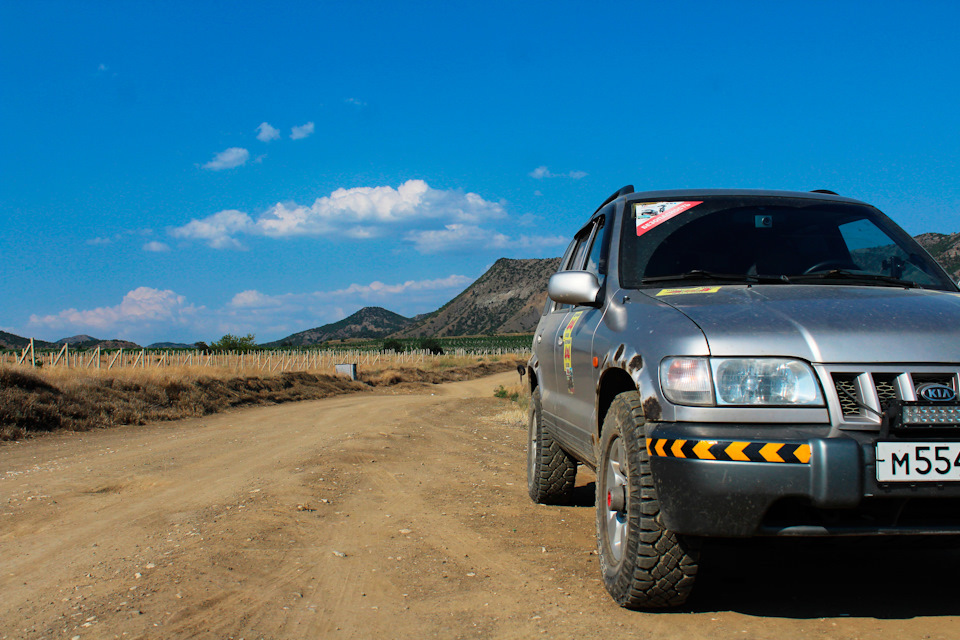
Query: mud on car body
x=744, y=363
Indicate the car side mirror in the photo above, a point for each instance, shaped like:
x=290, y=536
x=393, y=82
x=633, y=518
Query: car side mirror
x=574, y=287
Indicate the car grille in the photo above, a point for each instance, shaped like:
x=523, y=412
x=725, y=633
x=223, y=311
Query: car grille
x=846, y=386
x=860, y=395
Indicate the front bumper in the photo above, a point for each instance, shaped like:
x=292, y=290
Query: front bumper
x=745, y=480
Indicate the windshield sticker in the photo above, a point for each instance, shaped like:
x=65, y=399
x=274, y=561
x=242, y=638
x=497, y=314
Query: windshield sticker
x=686, y=290
x=567, y=349
x=650, y=214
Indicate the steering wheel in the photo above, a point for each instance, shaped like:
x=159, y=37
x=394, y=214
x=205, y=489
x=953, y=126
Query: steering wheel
x=825, y=265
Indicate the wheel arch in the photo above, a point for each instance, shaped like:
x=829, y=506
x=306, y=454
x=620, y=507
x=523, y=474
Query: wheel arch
x=533, y=380
x=613, y=382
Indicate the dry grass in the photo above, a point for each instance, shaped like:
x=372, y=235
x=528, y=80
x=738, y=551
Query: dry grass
x=519, y=397
x=38, y=400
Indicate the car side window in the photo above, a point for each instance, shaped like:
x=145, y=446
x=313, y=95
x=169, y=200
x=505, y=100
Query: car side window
x=577, y=256
x=596, y=250
x=565, y=262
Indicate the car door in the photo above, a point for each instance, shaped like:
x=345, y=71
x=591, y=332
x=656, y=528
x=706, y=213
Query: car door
x=544, y=342
x=576, y=373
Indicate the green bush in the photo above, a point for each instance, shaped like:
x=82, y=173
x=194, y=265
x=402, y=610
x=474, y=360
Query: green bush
x=432, y=345
x=230, y=342
x=500, y=392
x=394, y=345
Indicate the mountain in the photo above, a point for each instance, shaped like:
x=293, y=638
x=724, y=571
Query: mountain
x=84, y=341
x=369, y=322
x=171, y=345
x=945, y=248
x=508, y=298
x=108, y=344
x=76, y=340
x=12, y=341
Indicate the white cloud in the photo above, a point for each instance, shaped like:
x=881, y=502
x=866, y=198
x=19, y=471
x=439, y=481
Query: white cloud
x=218, y=230
x=141, y=307
x=156, y=247
x=376, y=290
x=460, y=237
x=102, y=67
x=358, y=213
x=228, y=159
x=266, y=133
x=117, y=237
x=302, y=131
x=542, y=172
x=253, y=299
x=355, y=102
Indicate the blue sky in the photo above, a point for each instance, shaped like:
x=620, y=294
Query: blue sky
x=181, y=170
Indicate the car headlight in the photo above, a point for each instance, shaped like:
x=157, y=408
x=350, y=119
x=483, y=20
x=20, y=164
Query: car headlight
x=739, y=382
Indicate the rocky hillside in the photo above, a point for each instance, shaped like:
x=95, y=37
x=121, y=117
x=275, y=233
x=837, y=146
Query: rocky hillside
x=369, y=322
x=945, y=248
x=12, y=341
x=72, y=340
x=83, y=342
x=508, y=298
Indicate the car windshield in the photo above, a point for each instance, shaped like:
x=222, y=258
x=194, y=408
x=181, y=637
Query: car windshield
x=770, y=241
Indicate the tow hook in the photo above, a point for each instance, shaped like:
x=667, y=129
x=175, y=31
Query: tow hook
x=617, y=498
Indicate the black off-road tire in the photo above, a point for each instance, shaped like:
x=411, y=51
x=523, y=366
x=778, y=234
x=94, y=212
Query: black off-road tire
x=551, y=471
x=643, y=564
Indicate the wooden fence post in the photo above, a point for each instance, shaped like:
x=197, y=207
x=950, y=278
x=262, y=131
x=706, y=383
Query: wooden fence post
x=33, y=355
x=63, y=351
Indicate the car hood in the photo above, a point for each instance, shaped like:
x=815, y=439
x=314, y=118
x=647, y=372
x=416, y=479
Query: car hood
x=825, y=324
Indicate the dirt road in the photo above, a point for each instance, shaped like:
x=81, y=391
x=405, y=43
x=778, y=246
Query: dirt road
x=385, y=516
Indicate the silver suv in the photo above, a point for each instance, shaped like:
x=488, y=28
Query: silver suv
x=744, y=363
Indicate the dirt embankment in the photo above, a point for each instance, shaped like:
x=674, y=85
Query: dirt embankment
x=32, y=402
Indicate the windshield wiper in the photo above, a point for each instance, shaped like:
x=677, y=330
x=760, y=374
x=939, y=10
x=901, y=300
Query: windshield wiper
x=843, y=274
x=700, y=274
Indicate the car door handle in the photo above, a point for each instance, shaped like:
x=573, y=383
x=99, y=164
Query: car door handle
x=539, y=338
x=559, y=340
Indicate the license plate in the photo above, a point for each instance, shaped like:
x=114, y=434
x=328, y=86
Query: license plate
x=918, y=461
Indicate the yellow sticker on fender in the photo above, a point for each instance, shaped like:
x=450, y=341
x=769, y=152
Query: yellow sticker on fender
x=686, y=290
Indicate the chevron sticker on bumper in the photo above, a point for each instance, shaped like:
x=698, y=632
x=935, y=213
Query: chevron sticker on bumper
x=730, y=451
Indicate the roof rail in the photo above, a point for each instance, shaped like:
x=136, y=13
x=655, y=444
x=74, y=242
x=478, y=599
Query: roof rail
x=826, y=191
x=620, y=192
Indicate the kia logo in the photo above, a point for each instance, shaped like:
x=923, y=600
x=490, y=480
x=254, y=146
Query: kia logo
x=937, y=393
